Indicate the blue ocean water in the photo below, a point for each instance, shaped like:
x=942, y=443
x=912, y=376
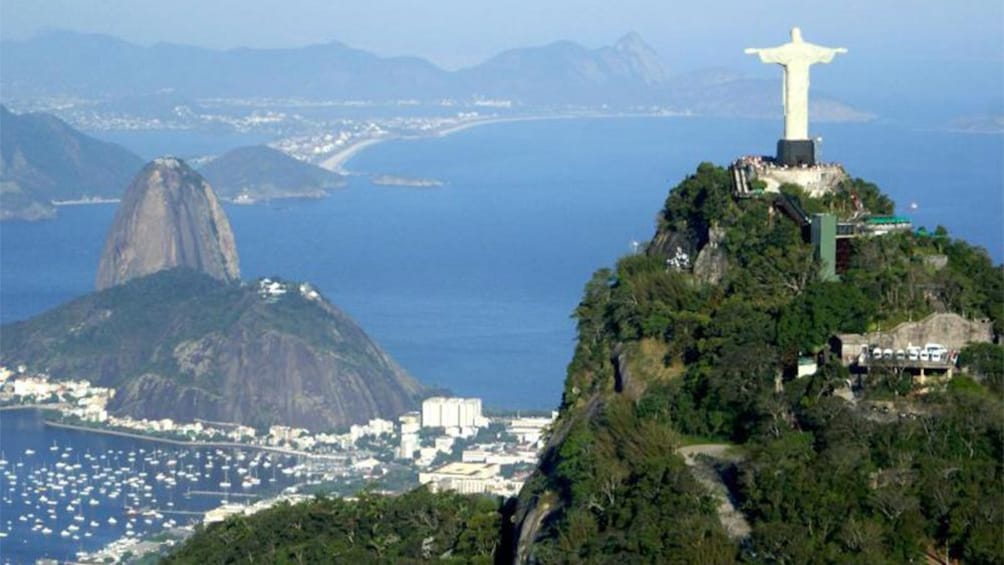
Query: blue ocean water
x=471, y=285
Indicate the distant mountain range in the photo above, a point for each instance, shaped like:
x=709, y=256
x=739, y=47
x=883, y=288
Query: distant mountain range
x=628, y=74
x=250, y=174
x=42, y=159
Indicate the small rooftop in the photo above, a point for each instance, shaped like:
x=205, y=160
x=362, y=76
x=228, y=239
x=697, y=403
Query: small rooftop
x=468, y=470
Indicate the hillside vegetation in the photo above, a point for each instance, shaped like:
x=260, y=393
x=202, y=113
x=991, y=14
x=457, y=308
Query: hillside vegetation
x=179, y=344
x=669, y=357
x=42, y=159
x=250, y=174
x=663, y=354
x=416, y=527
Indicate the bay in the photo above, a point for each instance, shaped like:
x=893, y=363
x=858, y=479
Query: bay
x=470, y=286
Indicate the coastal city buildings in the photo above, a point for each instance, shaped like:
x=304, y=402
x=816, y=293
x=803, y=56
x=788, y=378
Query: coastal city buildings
x=465, y=478
x=447, y=431
x=440, y=412
x=448, y=445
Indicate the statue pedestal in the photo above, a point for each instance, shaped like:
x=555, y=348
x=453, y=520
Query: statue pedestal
x=796, y=152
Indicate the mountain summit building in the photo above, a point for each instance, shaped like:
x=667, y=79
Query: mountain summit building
x=796, y=56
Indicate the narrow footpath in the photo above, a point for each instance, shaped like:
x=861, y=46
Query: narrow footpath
x=735, y=524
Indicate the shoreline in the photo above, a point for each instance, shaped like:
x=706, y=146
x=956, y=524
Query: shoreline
x=42, y=407
x=184, y=443
x=85, y=201
x=337, y=162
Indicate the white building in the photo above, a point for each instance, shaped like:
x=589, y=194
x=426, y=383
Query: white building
x=283, y=434
x=475, y=455
x=465, y=478
x=375, y=427
x=444, y=444
x=440, y=412
x=426, y=455
x=410, y=423
x=499, y=456
x=409, y=445
x=529, y=430
x=33, y=386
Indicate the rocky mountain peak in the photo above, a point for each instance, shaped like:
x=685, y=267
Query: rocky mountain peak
x=168, y=161
x=169, y=217
x=644, y=61
x=631, y=41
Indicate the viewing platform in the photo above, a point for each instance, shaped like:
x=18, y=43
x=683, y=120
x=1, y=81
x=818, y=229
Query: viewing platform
x=817, y=180
x=918, y=365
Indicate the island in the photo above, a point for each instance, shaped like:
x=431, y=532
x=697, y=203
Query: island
x=392, y=180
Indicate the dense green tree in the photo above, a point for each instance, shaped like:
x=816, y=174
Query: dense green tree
x=986, y=361
x=825, y=308
x=699, y=201
x=415, y=527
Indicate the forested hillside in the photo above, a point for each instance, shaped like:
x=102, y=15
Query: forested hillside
x=669, y=356
x=696, y=343
x=412, y=528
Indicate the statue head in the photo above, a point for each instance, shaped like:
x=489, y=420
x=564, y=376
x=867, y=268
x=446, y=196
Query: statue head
x=796, y=35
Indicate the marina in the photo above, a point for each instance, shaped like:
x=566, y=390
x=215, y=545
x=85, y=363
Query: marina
x=67, y=492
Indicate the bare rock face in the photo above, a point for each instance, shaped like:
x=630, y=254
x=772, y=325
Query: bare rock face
x=169, y=217
x=712, y=262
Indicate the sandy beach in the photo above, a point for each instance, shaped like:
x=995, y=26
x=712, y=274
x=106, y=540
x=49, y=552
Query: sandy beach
x=337, y=162
x=340, y=159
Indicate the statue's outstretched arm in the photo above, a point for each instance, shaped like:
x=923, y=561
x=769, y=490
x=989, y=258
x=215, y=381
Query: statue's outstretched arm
x=826, y=54
x=769, y=55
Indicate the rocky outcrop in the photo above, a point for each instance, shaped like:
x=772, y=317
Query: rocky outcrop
x=179, y=344
x=670, y=243
x=712, y=262
x=169, y=217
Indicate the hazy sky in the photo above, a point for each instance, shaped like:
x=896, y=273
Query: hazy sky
x=933, y=58
x=454, y=33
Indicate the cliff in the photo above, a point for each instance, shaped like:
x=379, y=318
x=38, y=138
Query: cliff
x=682, y=402
x=42, y=159
x=169, y=217
x=179, y=344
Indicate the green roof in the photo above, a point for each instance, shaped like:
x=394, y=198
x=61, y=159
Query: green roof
x=887, y=220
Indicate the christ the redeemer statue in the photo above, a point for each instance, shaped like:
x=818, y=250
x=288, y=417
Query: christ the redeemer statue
x=796, y=57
